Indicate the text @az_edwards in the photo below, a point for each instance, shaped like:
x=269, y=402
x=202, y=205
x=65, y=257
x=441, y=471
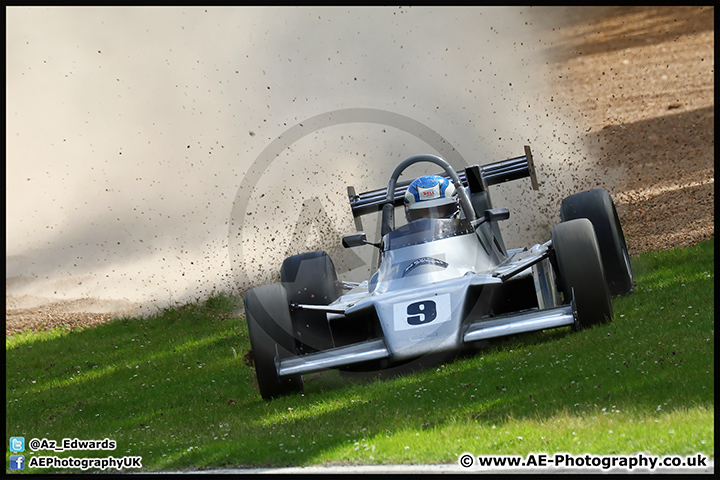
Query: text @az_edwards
x=37, y=444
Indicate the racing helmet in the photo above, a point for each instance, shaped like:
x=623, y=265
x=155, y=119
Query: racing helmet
x=431, y=196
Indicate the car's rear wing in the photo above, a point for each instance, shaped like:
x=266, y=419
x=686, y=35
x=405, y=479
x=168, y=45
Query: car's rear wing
x=476, y=178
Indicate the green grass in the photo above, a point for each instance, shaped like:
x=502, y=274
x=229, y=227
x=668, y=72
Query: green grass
x=173, y=388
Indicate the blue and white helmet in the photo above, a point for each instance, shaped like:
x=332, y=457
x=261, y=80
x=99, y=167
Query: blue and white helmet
x=431, y=196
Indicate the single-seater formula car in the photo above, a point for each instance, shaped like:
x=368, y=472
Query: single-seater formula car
x=445, y=280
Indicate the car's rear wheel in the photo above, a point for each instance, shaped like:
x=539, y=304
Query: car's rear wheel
x=598, y=207
x=270, y=330
x=310, y=279
x=580, y=271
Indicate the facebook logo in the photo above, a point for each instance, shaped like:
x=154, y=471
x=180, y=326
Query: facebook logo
x=17, y=462
x=17, y=444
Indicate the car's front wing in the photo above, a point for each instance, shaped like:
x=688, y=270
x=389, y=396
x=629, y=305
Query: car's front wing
x=523, y=322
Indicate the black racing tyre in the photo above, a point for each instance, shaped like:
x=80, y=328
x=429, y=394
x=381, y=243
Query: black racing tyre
x=310, y=279
x=580, y=271
x=270, y=329
x=598, y=207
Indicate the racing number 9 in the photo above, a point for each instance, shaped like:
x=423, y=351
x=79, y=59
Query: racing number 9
x=420, y=313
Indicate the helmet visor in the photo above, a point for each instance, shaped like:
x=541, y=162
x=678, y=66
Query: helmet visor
x=443, y=210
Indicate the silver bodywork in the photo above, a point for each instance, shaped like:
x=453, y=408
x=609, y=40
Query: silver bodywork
x=418, y=294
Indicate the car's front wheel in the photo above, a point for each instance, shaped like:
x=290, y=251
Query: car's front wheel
x=580, y=271
x=271, y=336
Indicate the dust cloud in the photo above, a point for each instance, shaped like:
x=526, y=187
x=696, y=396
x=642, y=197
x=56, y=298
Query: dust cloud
x=130, y=131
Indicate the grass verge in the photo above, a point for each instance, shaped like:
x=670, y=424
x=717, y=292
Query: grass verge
x=173, y=388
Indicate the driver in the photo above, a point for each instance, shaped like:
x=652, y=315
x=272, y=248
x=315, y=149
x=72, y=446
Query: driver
x=431, y=196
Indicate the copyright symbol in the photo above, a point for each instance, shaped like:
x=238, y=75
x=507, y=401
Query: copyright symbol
x=34, y=444
x=466, y=460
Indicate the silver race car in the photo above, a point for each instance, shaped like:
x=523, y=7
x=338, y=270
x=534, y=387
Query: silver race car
x=445, y=280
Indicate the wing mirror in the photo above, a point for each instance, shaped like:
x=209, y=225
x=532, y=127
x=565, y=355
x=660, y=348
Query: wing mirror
x=357, y=240
x=495, y=214
x=492, y=215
